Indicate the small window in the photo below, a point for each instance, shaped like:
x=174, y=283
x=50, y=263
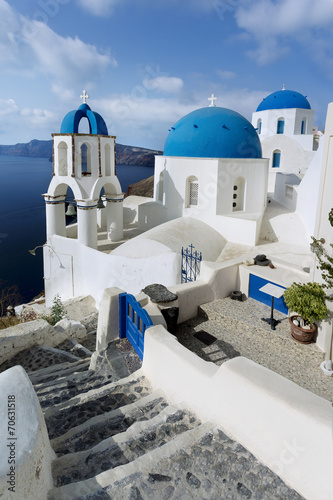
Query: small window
x=280, y=126
x=303, y=127
x=276, y=159
x=259, y=122
x=62, y=158
x=107, y=151
x=85, y=160
x=194, y=189
x=191, y=191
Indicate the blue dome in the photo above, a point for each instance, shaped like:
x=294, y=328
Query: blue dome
x=70, y=124
x=213, y=132
x=283, y=99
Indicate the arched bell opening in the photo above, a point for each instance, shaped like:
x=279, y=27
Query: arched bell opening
x=71, y=214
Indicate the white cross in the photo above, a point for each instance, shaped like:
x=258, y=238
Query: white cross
x=284, y=87
x=84, y=96
x=212, y=98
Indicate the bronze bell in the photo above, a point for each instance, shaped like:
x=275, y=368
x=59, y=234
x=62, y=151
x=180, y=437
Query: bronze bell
x=70, y=212
x=100, y=203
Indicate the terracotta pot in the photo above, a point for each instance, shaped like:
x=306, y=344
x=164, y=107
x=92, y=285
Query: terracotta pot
x=302, y=335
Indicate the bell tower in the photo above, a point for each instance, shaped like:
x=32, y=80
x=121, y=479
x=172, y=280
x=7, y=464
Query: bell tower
x=85, y=162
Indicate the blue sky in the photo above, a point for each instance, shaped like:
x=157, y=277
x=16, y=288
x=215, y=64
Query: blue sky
x=147, y=63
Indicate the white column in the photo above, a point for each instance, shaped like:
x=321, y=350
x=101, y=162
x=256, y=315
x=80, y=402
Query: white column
x=115, y=216
x=87, y=223
x=55, y=215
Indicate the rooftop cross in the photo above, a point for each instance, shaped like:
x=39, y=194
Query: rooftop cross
x=284, y=87
x=212, y=98
x=84, y=96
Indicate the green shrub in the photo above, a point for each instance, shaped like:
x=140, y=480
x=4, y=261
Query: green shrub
x=307, y=300
x=57, y=311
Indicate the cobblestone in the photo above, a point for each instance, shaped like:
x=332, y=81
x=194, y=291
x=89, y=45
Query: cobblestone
x=125, y=448
x=106, y=399
x=240, y=331
x=224, y=477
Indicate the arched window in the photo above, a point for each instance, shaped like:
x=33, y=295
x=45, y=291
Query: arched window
x=107, y=151
x=276, y=158
x=192, y=191
x=259, y=123
x=303, y=126
x=160, y=187
x=280, y=126
x=238, y=195
x=62, y=158
x=85, y=159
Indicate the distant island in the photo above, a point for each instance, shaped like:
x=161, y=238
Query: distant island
x=126, y=155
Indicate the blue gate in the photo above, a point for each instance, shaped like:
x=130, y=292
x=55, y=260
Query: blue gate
x=133, y=321
x=190, y=264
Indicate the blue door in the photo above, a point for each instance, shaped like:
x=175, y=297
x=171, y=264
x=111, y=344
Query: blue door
x=133, y=321
x=254, y=293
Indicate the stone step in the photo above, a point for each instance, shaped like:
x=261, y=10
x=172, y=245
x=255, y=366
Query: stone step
x=65, y=388
x=74, y=347
x=94, y=430
x=125, y=447
x=202, y=463
x=38, y=357
x=43, y=375
x=64, y=416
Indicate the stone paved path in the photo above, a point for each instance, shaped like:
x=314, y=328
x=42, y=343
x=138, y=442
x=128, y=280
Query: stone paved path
x=240, y=331
x=117, y=439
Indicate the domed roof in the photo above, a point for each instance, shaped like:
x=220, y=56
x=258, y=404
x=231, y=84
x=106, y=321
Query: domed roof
x=213, y=132
x=283, y=99
x=70, y=124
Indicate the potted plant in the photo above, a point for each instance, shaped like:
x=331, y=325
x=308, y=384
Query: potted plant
x=308, y=301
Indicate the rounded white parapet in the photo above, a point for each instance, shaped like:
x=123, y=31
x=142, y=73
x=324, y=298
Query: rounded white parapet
x=87, y=222
x=26, y=454
x=55, y=215
x=115, y=216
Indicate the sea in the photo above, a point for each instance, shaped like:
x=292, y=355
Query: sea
x=22, y=218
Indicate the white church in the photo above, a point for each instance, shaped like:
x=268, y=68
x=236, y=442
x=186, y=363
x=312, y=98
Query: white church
x=230, y=188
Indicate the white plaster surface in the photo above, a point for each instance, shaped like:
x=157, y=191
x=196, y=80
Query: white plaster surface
x=38, y=332
x=31, y=446
x=286, y=427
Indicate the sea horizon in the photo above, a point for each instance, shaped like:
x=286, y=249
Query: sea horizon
x=23, y=180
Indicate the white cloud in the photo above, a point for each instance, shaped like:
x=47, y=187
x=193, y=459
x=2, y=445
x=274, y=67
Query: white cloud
x=67, y=59
x=8, y=107
x=164, y=84
x=32, y=47
x=275, y=25
x=98, y=7
x=39, y=117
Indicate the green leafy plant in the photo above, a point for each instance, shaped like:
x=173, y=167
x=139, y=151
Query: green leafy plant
x=307, y=300
x=57, y=311
x=325, y=259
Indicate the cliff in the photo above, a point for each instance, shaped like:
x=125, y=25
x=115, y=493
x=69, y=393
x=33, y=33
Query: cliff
x=142, y=188
x=128, y=155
